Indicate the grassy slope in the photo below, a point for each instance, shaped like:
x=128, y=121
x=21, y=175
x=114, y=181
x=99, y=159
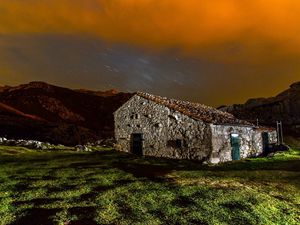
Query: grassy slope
x=108, y=187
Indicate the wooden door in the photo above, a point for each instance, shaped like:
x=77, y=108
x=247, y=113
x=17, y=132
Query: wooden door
x=266, y=142
x=137, y=144
x=236, y=145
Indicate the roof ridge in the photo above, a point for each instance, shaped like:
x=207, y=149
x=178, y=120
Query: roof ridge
x=195, y=110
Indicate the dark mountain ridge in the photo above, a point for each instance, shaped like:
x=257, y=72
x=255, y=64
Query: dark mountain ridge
x=50, y=113
x=284, y=107
x=58, y=115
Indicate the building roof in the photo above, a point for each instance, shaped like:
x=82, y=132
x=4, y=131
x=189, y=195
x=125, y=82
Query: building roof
x=265, y=129
x=196, y=111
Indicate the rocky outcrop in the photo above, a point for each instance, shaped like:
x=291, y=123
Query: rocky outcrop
x=284, y=107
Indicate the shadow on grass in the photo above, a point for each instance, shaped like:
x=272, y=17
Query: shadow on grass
x=38, y=201
x=155, y=173
x=37, y=216
x=160, y=166
x=82, y=222
x=144, y=169
x=82, y=212
x=184, y=201
x=153, y=168
x=61, y=188
x=96, y=191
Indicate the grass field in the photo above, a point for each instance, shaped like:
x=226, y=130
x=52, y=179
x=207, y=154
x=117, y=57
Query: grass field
x=108, y=187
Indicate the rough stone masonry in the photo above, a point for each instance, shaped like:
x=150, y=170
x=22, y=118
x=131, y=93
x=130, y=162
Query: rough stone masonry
x=182, y=130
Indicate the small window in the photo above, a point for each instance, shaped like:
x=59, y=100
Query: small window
x=158, y=125
x=173, y=117
x=175, y=143
x=135, y=116
x=178, y=143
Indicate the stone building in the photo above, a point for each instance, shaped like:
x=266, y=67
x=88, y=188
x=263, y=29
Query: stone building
x=161, y=127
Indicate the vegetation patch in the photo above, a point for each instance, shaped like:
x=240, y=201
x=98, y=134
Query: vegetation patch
x=109, y=187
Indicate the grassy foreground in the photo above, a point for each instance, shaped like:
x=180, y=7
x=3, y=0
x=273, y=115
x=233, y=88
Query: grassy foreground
x=108, y=187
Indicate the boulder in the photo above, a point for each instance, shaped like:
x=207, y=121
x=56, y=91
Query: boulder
x=2, y=140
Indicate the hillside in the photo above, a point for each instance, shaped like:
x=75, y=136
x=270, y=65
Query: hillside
x=8, y=110
x=49, y=113
x=284, y=107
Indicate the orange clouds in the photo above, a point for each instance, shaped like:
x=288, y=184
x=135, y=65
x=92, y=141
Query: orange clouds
x=189, y=25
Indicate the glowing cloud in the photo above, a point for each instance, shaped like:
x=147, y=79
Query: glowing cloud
x=189, y=25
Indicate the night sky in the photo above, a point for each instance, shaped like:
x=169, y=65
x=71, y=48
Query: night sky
x=210, y=51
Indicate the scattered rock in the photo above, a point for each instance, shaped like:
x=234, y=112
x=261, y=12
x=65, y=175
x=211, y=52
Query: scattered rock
x=82, y=148
x=27, y=143
x=2, y=139
x=271, y=155
x=47, y=146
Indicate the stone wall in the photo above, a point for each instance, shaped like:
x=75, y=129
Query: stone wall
x=162, y=130
x=221, y=137
x=251, y=142
x=171, y=134
x=273, y=137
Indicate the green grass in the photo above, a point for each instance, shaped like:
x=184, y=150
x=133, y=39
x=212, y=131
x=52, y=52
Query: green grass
x=108, y=187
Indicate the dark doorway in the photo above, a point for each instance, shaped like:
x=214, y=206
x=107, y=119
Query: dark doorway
x=266, y=142
x=235, y=144
x=137, y=144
